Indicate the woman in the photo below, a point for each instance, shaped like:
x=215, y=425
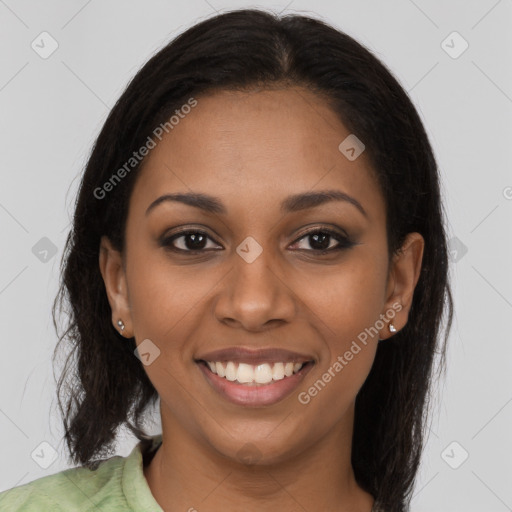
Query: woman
x=258, y=243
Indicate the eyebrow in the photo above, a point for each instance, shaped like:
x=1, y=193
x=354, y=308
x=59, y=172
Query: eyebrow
x=291, y=204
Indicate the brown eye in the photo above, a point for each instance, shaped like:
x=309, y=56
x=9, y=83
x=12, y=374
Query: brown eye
x=189, y=241
x=323, y=241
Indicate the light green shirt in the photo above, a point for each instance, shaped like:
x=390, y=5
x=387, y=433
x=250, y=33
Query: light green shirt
x=117, y=484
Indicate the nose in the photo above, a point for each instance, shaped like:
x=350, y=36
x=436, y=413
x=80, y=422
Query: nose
x=255, y=296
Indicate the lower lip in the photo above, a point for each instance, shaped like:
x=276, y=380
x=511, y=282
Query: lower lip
x=254, y=395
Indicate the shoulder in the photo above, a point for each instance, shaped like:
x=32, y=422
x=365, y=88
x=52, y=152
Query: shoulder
x=79, y=489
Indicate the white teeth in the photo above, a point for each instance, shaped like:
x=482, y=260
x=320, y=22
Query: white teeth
x=245, y=373
x=258, y=374
x=221, y=372
x=278, y=371
x=263, y=374
x=231, y=371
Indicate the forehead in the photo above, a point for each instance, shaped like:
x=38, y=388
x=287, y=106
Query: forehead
x=256, y=147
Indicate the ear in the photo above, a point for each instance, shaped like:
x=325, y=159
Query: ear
x=403, y=275
x=113, y=273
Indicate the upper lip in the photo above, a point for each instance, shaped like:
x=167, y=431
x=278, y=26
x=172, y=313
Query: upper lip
x=255, y=356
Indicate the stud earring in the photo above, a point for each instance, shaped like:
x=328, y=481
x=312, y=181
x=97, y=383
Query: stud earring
x=121, y=326
x=392, y=328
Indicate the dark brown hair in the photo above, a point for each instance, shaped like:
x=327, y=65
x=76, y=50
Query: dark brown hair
x=104, y=386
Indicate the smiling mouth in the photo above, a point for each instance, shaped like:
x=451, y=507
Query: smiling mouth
x=256, y=387
x=254, y=375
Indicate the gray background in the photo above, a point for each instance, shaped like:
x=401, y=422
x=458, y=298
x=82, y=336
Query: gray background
x=52, y=109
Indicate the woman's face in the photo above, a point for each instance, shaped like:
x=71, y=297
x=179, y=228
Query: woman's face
x=251, y=273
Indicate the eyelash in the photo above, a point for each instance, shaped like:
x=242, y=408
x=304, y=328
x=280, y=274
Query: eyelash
x=344, y=242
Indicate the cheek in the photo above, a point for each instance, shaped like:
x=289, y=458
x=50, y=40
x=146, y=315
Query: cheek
x=348, y=300
x=166, y=309
x=161, y=295
x=347, y=304
x=165, y=303
x=333, y=391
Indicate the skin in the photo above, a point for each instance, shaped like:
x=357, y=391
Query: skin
x=252, y=150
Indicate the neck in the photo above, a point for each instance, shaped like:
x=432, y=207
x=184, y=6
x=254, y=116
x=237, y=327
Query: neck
x=186, y=474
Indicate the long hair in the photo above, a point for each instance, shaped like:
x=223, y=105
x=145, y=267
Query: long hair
x=103, y=386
